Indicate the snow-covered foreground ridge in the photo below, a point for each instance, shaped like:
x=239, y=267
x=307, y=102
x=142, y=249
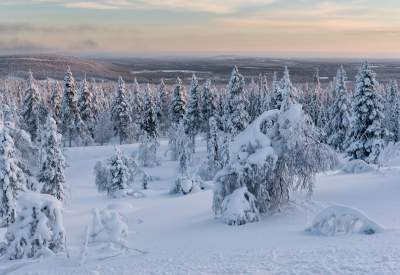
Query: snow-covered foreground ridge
x=181, y=235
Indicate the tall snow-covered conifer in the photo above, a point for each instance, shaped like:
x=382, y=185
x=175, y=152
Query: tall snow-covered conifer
x=51, y=174
x=339, y=123
x=31, y=111
x=120, y=113
x=368, y=134
x=192, y=116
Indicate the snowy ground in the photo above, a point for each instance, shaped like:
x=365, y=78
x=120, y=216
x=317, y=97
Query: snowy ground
x=181, y=235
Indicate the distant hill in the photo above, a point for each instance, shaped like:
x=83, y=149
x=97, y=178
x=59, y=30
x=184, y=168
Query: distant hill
x=153, y=69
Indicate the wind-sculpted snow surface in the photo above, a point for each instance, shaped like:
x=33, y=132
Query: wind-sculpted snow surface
x=339, y=220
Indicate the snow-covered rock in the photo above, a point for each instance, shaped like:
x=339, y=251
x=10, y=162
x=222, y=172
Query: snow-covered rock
x=340, y=220
x=239, y=208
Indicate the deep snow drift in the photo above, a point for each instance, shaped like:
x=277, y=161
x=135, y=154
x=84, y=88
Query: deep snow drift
x=175, y=234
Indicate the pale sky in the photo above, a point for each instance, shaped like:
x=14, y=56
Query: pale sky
x=333, y=28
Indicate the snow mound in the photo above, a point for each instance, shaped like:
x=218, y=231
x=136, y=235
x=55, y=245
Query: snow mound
x=357, y=166
x=341, y=220
x=239, y=208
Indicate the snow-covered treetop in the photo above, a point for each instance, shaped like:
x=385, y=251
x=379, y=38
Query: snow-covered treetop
x=236, y=83
x=253, y=145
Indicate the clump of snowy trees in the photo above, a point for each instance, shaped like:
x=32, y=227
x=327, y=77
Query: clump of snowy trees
x=277, y=153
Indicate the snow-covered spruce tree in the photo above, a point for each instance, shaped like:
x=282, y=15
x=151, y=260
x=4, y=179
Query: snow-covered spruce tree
x=339, y=124
x=214, y=146
x=120, y=113
x=55, y=102
x=312, y=99
x=177, y=113
x=12, y=178
x=136, y=108
x=192, y=116
x=38, y=229
x=149, y=132
x=392, y=111
x=31, y=108
x=185, y=183
x=236, y=116
x=368, y=133
x=178, y=103
x=86, y=107
x=70, y=117
x=164, y=101
x=209, y=106
x=119, y=175
x=276, y=96
x=276, y=154
x=51, y=174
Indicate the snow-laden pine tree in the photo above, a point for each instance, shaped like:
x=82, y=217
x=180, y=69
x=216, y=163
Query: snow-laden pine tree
x=276, y=97
x=149, y=132
x=51, y=174
x=192, y=118
x=177, y=114
x=12, y=178
x=392, y=111
x=312, y=99
x=276, y=154
x=136, y=108
x=70, y=117
x=164, y=101
x=214, y=148
x=120, y=112
x=368, y=133
x=339, y=124
x=209, y=106
x=119, y=174
x=31, y=112
x=178, y=103
x=236, y=116
x=55, y=102
x=86, y=106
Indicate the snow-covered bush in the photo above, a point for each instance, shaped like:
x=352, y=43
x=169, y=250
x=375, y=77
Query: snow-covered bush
x=38, y=228
x=239, y=207
x=117, y=175
x=340, y=220
x=185, y=185
x=357, y=166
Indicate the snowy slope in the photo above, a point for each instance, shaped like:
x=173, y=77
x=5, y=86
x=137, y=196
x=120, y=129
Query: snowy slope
x=181, y=236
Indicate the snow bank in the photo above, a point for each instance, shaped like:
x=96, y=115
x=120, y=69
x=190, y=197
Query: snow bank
x=340, y=220
x=239, y=208
x=357, y=166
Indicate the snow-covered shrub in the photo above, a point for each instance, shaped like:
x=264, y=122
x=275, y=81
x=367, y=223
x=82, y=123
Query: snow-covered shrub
x=38, y=228
x=185, y=185
x=357, y=166
x=239, y=208
x=116, y=176
x=339, y=220
x=108, y=227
